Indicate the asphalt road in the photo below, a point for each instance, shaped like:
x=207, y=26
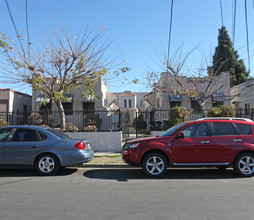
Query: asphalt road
x=101, y=193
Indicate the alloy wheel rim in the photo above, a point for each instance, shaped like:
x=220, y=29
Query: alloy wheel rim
x=246, y=165
x=46, y=164
x=155, y=165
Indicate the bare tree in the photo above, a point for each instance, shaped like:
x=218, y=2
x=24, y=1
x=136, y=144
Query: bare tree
x=65, y=62
x=202, y=84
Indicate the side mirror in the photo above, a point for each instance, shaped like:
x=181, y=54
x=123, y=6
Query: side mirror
x=180, y=135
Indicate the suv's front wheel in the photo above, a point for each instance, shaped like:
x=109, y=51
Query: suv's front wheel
x=154, y=164
x=244, y=164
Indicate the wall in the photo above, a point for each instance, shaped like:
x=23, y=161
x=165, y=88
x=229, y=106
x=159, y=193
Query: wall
x=101, y=141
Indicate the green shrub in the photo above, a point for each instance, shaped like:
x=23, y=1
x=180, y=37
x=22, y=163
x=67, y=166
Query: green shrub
x=221, y=111
x=3, y=123
x=34, y=119
x=177, y=115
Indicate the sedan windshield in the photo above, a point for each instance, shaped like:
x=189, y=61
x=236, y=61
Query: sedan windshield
x=171, y=130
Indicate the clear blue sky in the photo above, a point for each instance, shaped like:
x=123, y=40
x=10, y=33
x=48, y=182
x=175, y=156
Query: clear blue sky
x=138, y=26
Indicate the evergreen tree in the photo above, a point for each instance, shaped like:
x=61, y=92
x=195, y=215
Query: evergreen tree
x=225, y=59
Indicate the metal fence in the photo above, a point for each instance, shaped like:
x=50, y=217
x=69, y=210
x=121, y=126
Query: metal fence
x=75, y=120
x=139, y=123
x=159, y=120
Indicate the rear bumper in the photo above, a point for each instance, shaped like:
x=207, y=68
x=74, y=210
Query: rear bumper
x=76, y=158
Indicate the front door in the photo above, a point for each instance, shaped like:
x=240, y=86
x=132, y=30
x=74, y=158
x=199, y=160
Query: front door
x=194, y=147
x=22, y=147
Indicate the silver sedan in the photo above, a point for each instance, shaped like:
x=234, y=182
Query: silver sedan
x=41, y=148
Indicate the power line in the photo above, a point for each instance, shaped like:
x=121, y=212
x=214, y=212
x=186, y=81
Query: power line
x=234, y=22
x=247, y=33
x=9, y=10
x=170, y=27
x=221, y=13
x=27, y=31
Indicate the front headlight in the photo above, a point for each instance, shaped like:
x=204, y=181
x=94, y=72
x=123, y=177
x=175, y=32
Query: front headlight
x=130, y=146
x=134, y=145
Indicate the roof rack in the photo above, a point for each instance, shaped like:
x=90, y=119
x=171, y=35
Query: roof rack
x=225, y=118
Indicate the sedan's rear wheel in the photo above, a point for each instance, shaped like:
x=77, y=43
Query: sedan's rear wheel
x=244, y=164
x=154, y=164
x=47, y=164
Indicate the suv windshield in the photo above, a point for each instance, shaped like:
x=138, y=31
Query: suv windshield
x=171, y=130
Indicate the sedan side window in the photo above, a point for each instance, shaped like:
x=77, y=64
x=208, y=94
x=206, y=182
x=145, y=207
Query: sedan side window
x=196, y=130
x=25, y=135
x=4, y=133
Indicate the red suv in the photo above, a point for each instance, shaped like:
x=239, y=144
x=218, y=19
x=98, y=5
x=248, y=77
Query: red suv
x=217, y=142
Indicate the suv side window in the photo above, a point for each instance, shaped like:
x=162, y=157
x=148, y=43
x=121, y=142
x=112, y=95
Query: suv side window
x=244, y=129
x=222, y=129
x=24, y=135
x=196, y=130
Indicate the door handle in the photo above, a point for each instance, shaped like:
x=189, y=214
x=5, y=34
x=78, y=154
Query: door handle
x=205, y=142
x=237, y=140
x=35, y=146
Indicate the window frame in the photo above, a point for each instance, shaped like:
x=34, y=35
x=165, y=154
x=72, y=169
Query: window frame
x=8, y=137
x=233, y=125
x=24, y=129
x=238, y=130
x=196, y=124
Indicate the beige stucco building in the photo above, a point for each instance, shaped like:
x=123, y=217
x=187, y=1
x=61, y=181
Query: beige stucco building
x=14, y=101
x=169, y=94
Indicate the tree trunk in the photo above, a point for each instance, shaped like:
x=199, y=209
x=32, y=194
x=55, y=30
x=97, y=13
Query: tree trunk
x=61, y=114
x=204, y=111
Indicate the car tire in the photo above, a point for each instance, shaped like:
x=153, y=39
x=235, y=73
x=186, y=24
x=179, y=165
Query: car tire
x=244, y=164
x=47, y=164
x=154, y=164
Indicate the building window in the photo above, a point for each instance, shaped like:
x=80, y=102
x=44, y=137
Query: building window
x=195, y=106
x=174, y=104
x=25, y=109
x=129, y=102
x=89, y=107
x=175, y=100
x=67, y=108
x=141, y=102
x=45, y=108
x=125, y=103
x=217, y=104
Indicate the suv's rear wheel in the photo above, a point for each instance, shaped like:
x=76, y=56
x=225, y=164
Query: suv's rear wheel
x=154, y=164
x=244, y=164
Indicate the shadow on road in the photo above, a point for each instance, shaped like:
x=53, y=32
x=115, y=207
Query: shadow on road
x=33, y=173
x=138, y=174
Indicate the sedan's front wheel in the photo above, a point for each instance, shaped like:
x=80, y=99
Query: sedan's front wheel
x=244, y=164
x=47, y=164
x=154, y=164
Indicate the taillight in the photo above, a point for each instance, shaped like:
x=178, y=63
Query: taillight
x=80, y=145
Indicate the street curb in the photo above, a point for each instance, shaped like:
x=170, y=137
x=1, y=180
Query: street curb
x=103, y=165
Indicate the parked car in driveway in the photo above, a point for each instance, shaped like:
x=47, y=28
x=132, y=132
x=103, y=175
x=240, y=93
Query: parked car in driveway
x=41, y=148
x=217, y=142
